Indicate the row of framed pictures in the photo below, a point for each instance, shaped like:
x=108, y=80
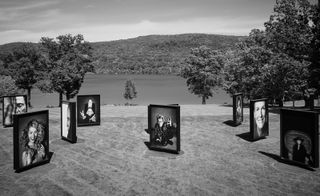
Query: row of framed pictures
x=299, y=129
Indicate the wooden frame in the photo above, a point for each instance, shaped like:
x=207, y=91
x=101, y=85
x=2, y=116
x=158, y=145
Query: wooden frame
x=83, y=117
x=259, y=119
x=68, y=121
x=10, y=103
x=164, y=137
x=30, y=140
x=304, y=126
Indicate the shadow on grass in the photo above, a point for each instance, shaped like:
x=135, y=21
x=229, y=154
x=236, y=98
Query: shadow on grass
x=288, y=162
x=245, y=136
x=231, y=123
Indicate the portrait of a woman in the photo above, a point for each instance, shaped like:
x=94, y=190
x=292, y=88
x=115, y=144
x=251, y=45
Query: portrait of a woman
x=33, y=150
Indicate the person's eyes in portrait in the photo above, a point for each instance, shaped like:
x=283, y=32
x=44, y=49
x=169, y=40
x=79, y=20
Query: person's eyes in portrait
x=259, y=114
x=20, y=105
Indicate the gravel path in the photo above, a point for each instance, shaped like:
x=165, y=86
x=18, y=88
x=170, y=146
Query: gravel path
x=112, y=159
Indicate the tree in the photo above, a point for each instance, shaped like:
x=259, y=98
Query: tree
x=70, y=58
x=7, y=86
x=25, y=64
x=203, y=71
x=130, y=90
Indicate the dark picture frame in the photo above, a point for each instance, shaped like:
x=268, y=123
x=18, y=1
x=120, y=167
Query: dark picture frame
x=88, y=110
x=68, y=121
x=299, y=137
x=30, y=140
x=165, y=137
x=259, y=118
x=237, y=108
x=15, y=104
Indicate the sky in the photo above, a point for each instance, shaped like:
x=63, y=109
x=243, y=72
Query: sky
x=105, y=20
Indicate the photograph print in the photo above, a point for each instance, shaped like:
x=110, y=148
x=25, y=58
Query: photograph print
x=164, y=127
x=237, y=108
x=68, y=121
x=88, y=110
x=299, y=136
x=13, y=105
x=31, y=139
x=259, y=119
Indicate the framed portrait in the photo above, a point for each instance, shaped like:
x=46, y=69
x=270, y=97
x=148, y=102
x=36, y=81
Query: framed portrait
x=164, y=128
x=237, y=108
x=88, y=110
x=30, y=139
x=259, y=119
x=68, y=121
x=13, y=105
x=299, y=136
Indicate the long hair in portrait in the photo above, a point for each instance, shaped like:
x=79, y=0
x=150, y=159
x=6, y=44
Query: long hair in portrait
x=31, y=139
x=88, y=110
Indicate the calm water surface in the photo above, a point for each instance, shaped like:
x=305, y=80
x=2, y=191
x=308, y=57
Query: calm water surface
x=154, y=89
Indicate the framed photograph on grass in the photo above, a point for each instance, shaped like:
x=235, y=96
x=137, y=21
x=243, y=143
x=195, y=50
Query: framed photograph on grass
x=299, y=136
x=88, y=110
x=13, y=105
x=68, y=121
x=237, y=109
x=164, y=127
x=259, y=119
x=30, y=139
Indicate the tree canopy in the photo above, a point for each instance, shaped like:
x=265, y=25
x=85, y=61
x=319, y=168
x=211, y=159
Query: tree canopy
x=203, y=71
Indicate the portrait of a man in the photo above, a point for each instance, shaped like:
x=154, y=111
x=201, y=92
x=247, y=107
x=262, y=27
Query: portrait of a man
x=259, y=126
x=13, y=105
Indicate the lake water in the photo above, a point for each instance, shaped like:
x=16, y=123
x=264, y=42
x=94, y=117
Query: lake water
x=152, y=89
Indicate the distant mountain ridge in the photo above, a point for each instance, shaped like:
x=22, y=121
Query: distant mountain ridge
x=151, y=54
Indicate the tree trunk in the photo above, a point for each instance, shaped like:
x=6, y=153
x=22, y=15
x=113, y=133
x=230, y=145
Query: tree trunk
x=280, y=101
x=29, y=97
x=60, y=99
x=306, y=102
x=203, y=100
x=293, y=103
x=68, y=97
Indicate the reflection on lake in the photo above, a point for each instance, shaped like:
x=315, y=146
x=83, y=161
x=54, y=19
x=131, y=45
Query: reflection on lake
x=156, y=89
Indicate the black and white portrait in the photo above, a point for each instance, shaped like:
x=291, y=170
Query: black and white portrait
x=237, y=108
x=88, y=110
x=68, y=122
x=164, y=126
x=259, y=117
x=31, y=139
x=13, y=105
x=299, y=136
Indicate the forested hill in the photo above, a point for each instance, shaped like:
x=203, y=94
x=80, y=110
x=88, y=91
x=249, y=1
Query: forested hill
x=152, y=54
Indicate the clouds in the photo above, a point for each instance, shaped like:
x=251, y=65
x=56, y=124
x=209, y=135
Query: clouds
x=100, y=20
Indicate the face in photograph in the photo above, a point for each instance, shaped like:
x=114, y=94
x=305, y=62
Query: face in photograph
x=239, y=109
x=260, y=117
x=33, y=150
x=8, y=110
x=65, y=119
x=21, y=106
x=88, y=114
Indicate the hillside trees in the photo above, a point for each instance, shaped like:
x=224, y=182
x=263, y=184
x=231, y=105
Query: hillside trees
x=7, y=86
x=203, y=71
x=69, y=58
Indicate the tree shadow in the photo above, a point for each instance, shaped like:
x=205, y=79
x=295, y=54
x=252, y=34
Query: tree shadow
x=147, y=131
x=288, y=162
x=231, y=123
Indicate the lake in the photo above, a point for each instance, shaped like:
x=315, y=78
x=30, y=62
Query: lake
x=152, y=89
